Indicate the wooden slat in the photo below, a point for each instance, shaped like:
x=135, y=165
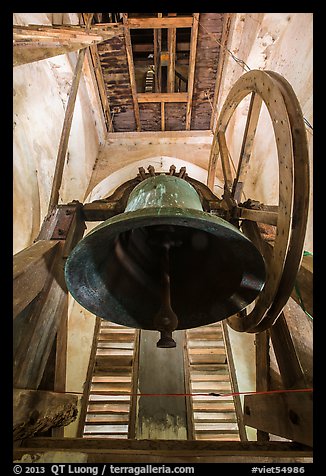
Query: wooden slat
x=164, y=22
x=287, y=414
x=108, y=408
x=113, y=429
x=31, y=268
x=192, y=63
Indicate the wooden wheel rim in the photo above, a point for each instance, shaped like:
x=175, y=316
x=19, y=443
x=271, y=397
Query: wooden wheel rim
x=292, y=151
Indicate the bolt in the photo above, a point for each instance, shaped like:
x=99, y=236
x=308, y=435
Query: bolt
x=60, y=231
x=68, y=211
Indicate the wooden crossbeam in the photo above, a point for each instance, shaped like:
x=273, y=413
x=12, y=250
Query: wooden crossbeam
x=35, y=43
x=164, y=22
x=118, y=450
x=162, y=97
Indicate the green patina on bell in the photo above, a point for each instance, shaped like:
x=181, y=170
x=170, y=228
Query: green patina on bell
x=164, y=263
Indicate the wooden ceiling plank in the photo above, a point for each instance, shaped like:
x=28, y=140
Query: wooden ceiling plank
x=162, y=97
x=164, y=22
x=192, y=63
x=131, y=72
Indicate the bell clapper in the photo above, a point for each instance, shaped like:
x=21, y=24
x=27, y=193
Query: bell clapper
x=166, y=320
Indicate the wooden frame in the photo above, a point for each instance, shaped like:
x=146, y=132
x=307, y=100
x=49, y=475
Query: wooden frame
x=288, y=128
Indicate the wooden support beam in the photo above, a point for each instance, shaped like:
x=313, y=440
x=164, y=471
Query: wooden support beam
x=63, y=145
x=287, y=414
x=163, y=22
x=157, y=57
x=31, y=268
x=88, y=380
x=162, y=97
x=304, y=285
x=192, y=63
x=134, y=387
x=261, y=216
x=160, y=451
x=162, y=116
x=36, y=410
x=262, y=371
x=226, y=167
x=131, y=72
x=34, y=43
x=287, y=359
x=101, y=86
x=36, y=327
x=234, y=381
x=60, y=370
x=172, y=40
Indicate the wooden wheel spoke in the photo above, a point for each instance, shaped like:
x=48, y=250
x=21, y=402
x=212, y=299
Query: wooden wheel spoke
x=225, y=161
x=247, y=145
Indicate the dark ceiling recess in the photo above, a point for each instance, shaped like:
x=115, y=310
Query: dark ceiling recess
x=160, y=70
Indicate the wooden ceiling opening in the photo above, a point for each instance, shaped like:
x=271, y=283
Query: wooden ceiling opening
x=160, y=69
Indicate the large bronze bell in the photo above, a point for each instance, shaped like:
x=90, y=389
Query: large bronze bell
x=165, y=264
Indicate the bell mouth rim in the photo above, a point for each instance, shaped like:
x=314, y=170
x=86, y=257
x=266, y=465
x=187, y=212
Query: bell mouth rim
x=197, y=219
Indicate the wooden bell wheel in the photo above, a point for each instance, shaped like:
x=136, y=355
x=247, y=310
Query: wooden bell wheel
x=283, y=258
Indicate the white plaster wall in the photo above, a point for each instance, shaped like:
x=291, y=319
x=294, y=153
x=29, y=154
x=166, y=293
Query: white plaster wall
x=281, y=42
x=40, y=95
x=133, y=149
